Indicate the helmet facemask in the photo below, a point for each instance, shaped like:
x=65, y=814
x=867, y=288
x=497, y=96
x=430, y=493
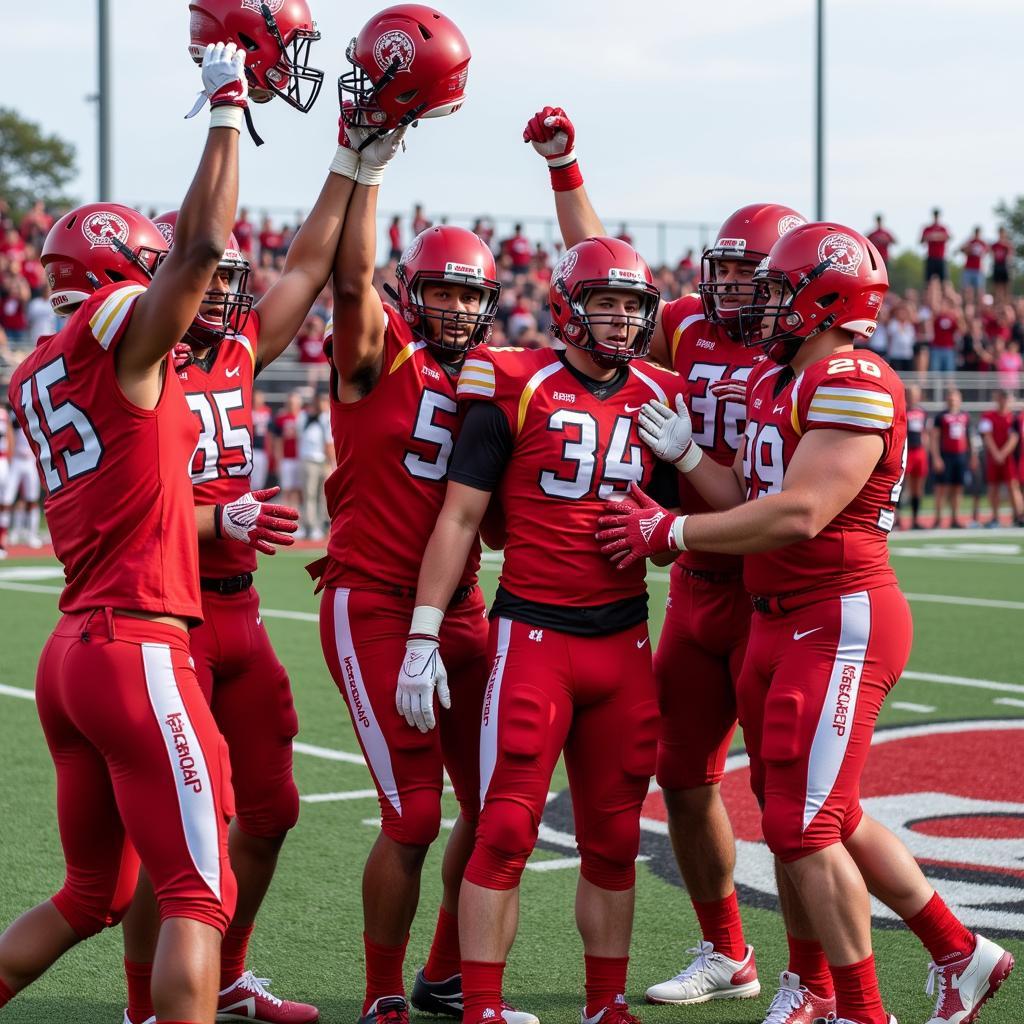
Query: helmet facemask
x=579, y=333
x=223, y=312
x=712, y=290
x=478, y=323
x=292, y=78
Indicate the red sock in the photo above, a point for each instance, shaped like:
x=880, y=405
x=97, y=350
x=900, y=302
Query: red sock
x=606, y=979
x=807, y=958
x=444, y=960
x=232, y=953
x=940, y=932
x=383, y=970
x=6, y=994
x=481, y=989
x=857, y=995
x=720, y=925
x=140, y=1002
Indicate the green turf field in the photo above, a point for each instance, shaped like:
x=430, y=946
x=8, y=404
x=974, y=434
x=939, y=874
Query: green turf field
x=968, y=663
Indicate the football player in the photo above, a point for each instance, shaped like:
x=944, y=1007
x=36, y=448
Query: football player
x=810, y=500
x=553, y=434
x=707, y=615
x=140, y=763
x=393, y=416
x=226, y=347
x=917, y=452
x=6, y=427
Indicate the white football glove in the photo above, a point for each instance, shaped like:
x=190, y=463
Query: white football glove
x=422, y=672
x=224, y=82
x=377, y=154
x=669, y=434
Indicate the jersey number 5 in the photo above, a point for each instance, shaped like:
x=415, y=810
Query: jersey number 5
x=79, y=457
x=433, y=433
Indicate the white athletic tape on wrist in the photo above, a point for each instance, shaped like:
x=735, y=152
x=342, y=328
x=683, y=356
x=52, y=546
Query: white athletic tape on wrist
x=689, y=460
x=345, y=163
x=677, y=533
x=228, y=116
x=370, y=174
x=426, y=620
x=562, y=161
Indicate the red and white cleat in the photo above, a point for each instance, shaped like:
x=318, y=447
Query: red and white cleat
x=249, y=999
x=795, y=1004
x=616, y=1012
x=711, y=975
x=962, y=987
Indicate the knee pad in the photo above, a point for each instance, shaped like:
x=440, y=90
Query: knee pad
x=788, y=840
x=420, y=819
x=505, y=839
x=608, y=851
x=277, y=814
x=87, y=917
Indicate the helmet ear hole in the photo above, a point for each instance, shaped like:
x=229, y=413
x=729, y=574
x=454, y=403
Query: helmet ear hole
x=826, y=300
x=248, y=42
x=407, y=97
x=423, y=30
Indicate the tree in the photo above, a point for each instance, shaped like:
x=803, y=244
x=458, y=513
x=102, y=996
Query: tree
x=33, y=165
x=905, y=271
x=1011, y=217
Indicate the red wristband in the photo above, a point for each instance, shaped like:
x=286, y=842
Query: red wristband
x=567, y=178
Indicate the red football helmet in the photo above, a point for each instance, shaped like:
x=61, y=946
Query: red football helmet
x=222, y=312
x=747, y=235
x=602, y=263
x=276, y=36
x=96, y=245
x=455, y=255
x=816, y=277
x=408, y=62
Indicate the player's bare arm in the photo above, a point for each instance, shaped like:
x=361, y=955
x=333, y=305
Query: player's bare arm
x=164, y=311
x=310, y=257
x=358, y=342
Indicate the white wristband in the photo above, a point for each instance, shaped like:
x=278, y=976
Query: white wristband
x=345, y=163
x=426, y=620
x=228, y=116
x=562, y=161
x=676, y=535
x=689, y=460
x=370, y=174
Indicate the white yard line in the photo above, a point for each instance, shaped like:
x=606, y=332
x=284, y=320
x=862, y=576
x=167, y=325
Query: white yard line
x=1010, y=702
x=906, y=705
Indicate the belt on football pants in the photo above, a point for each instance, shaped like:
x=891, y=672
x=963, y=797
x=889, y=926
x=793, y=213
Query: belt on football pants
x=779, y=604
x=707, y=576
x=409, y=593
x=227, y=585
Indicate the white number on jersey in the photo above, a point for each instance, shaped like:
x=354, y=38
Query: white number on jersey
x=78, y=459
x=887, y=516
x=763, y=456
x=205, y=462
x=622, y=461
x=429, y=432
x=844, y=365
x=708, y=406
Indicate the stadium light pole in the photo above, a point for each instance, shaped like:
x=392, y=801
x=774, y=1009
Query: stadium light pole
x=819, y=115
x=103, y=101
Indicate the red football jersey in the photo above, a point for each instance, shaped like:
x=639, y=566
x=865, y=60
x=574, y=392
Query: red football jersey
x=998, y=424
x=286, y=426
x=392, y=450
x=118, y=496
x=935, y=237
x=842, y=392
x=881, y=239
x=218, y=390
x=953, y=432
x=571, y=452
x=944, y=329
x=4, y=426
x=917, y=423
x=703, y=354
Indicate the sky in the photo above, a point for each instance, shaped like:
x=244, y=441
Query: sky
x=684, y=111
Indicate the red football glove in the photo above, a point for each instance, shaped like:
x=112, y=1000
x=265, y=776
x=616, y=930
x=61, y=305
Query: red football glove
x=553, y=136
x=636, y=527
x=181, y=354
x=249, y=520
x=730, y=390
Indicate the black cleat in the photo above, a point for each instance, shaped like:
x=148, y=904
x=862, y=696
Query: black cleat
x=386, y=1010
x=440, y=997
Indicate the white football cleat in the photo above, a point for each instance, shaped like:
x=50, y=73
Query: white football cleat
x=794, y=1004
x=711, y=975
x=148, y=1020
x=962, y=987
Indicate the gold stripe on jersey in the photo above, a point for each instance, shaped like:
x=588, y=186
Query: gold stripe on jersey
x=248, y=348
x=476, y=379
x=852, y=407
x=531, y=386
x=329, y=329
x=405, y=353
x=109, y=317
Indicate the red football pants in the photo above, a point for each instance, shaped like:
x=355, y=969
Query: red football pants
x=810, y=691
x=696, y=666
x=363, y=633
x=140, y=766
x=248, y=690
x=593, y=696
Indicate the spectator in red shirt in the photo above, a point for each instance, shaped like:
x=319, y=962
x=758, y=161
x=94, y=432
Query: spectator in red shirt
x=519, y=251
x=947, y=327
x=420, y=221
x=14, y=298
x=286, y=450
x=484, y=229
x=882, y=238
x=395, y=239
x=951, y=456
x=262, y=417
x=271, y=240
x=998, y=429
x=1002, y=254
x=310, y=344
x=244, y=232
x=935, y=236
x=13, y=246
x=975, y=249
x=36, y=224
x=687, y=270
